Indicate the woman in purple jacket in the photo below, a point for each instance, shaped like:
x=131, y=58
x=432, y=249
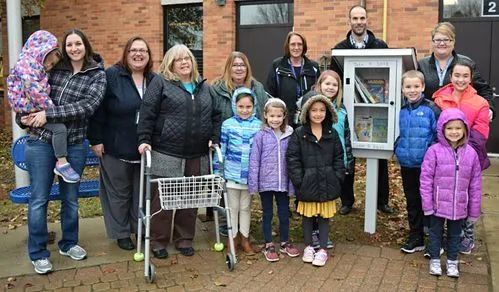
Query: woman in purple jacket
x=268, y=175
x=451, y=187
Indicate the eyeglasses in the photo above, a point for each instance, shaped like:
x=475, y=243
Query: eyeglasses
x=439, y=41
x=135, y=51
x=185, y=59
x=239, y=65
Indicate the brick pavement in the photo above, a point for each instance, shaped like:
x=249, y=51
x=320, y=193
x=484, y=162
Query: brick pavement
x=352, y=268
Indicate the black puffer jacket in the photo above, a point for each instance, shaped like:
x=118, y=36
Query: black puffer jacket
x=176, y=123
x=316, y=168
x=429, y=70
x=282, y=83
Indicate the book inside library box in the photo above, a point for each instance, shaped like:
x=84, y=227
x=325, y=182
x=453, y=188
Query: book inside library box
x=371, y=85
x=371, y=124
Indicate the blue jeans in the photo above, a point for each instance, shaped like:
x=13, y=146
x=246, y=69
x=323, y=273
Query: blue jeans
x=453, y=237
x=40, y=159
x=282, y=201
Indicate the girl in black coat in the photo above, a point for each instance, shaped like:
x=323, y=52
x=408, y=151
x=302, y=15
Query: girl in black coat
x=316, y=168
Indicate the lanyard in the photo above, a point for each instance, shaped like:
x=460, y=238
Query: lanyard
x=298, y=85
x=441, y=72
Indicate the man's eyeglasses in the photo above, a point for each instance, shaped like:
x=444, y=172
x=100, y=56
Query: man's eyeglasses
x=440, y=41
x=135, y=51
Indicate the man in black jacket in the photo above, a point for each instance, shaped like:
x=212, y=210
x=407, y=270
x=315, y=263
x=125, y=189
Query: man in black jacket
x=359, y=37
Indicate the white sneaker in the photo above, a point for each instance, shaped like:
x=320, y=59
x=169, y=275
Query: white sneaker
x=320, y=258
x=42, y=266
x=76, y=253
x=308, y=254
x=452, y=269
x=435, y=268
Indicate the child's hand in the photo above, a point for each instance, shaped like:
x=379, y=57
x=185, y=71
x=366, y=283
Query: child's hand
x=472, y=220
x=27, y=121
x=39, y=119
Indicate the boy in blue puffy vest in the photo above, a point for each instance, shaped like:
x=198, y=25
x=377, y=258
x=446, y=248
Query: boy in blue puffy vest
x=417, y=124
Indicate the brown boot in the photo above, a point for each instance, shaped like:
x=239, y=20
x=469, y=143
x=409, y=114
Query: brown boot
x=236, y=243
x=246, y=246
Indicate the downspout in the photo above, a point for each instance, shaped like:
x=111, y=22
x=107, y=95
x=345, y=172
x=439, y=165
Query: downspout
x=385, y=13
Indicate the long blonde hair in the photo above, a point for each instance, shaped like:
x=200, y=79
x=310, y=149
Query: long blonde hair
x=322, y=77
x=175, y=52
x=226, y=77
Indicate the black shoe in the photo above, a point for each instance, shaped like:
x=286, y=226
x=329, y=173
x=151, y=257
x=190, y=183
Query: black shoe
x=186, y=251
x=160, y=253
x=223, y=230
x=413, y=245
x=345, y=210
x=125, y=243
x=385, y=209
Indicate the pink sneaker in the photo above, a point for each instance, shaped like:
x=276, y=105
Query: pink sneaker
x=289, y=249
x=270, y=253
x=320, y=258
x=308, y=254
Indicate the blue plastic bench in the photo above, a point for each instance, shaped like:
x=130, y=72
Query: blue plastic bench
x=88, y=188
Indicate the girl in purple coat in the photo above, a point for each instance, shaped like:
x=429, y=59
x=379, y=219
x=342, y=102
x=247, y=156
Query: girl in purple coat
x=450, y=186
x=268, y=176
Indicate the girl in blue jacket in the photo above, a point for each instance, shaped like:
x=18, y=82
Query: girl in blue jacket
x=235, y=141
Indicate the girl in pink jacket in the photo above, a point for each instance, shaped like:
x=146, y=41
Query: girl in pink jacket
x=450, y=187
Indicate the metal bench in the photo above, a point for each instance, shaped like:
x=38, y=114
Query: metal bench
x=88, y=188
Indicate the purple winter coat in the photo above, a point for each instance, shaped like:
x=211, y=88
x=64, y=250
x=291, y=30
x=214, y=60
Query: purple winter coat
x=268, y=166
x=451, y=182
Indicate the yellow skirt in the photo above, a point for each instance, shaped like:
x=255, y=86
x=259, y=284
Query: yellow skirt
x=322, y=209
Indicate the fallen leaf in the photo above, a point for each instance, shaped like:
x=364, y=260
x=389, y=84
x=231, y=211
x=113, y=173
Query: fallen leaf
x=220, y=284
x=27, y=285
x=479, y=258
x=11, y=279
x=249, y=262
x=270, y=272
x=108, y=270
x=174, y=261
x=9, y=286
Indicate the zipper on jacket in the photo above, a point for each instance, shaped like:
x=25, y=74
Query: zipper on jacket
x=456, y=175
x=69, y=79
x=278, y=158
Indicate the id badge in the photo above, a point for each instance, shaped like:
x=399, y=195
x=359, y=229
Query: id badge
x=137, y=117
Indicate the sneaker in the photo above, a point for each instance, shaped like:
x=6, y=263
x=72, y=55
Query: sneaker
x=308, y=254
x=466, y=246
x=329, y=244
x=435, y=268
x=315, y=239
x=413, y=245
x=67, y=173
x=320, y=258
x=427, y=253
x=289, y=249
x=42, y=266
x=270, y=253
x=452, y=269
x=76, y=253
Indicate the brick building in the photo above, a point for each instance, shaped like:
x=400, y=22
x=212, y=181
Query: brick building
x=229, y=25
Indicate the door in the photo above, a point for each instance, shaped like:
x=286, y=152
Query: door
x=262, y=27
x=470, y=17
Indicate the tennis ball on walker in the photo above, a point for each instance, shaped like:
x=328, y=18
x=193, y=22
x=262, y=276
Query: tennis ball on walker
x=138, y=257
x=219, y=246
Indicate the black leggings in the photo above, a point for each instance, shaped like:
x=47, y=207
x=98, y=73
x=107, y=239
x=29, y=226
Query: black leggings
x=308, y=227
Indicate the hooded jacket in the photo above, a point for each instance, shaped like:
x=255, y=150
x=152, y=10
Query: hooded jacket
x=282, y=82
x=342, y=127
x=429, y=70
x=476, y=110
x=222, y=100
x=418, y=131
x=75, y=96
x=450, y=182
x=268, y=170
x=115, y=122
x=236, y=139
x=28, y=87
x=175, y=122
x=316, y=167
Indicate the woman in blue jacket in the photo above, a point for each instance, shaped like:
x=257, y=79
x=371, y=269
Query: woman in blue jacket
x=113, y=135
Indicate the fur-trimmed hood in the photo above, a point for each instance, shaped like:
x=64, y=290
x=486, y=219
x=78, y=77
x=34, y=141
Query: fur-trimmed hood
x=331, y=116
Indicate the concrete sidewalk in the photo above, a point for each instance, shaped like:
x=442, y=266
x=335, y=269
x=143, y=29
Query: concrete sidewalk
x=351, y=267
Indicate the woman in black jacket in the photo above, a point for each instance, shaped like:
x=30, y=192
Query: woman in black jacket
x=292, y=75
x=316, y=168
x=177, y=122
x=113, y=135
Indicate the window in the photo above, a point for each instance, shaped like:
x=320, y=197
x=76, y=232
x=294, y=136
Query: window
x=184, y=25
x=265, y=14
x=469, y=9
